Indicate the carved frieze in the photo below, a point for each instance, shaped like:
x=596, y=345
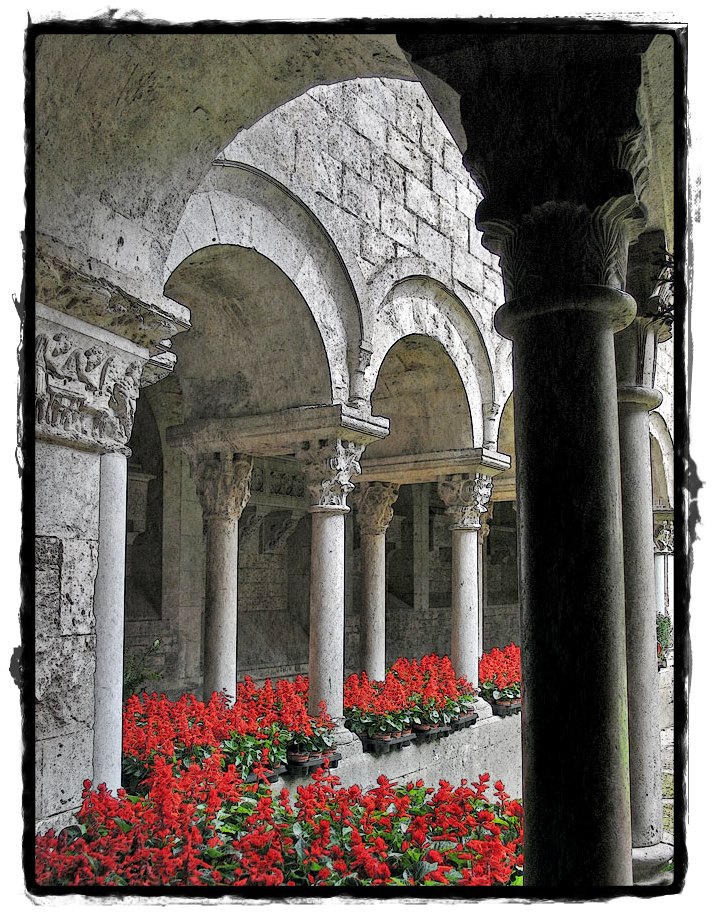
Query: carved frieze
x=663, y=538
x=95, y=300
x=222, y=484
x=85, y=389
x=466, y=497
x=374, y=506
x=328, y=465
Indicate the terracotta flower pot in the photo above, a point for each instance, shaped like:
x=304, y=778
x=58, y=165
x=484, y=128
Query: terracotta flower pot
x=298, y=758
x=381, y=736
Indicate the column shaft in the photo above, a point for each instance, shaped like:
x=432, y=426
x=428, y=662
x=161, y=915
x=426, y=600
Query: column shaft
x=109, y=615
x=574, y=720
x=420, y=493
x=373, y=624
x=221, y=608
x=642, y=670
x=660, y=581
x=465, y=615
x=326, y=611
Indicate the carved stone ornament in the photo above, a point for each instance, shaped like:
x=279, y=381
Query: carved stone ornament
x=485, y=521
x=222, y=484
x=466, y=497
x=663, y=538
x=374, y=506
x=328, y=466
x=85, y=390
x=65, y=288
x=560, y=243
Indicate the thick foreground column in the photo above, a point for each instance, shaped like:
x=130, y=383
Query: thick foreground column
x=328, y=467
x=466, y=497
x=223, y=487
x=574, y=724
x=374, y=512
x=109, y=617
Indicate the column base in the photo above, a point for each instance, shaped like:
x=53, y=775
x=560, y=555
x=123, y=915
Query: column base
x=483, y=709
x=648, y=865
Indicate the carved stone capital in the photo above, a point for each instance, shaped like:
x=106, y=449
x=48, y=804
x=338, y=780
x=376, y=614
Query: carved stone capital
x=466, y=497
x=374, y=506
x=94, y=299
x=86, y=383
x=485, y=520
x=562, y=243
x=222, y=484
x=328, y=465
x=663, y=538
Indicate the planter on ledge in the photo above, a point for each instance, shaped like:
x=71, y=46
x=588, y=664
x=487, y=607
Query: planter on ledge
x=504, y=707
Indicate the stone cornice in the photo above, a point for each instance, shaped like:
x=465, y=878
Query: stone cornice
x=428, y=467
x=100, y=302
x=280, y=433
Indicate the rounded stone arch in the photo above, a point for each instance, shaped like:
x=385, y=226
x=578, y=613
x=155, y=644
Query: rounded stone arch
x=241, y=206
x=254, y=346
x=167, y=105
x=661, y=462
x=420, y=391
x=421, y=305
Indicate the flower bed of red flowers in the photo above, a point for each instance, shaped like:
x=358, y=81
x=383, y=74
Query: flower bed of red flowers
x=499, y=673
x=207, y=827
x=414, y=693
x=254, y=734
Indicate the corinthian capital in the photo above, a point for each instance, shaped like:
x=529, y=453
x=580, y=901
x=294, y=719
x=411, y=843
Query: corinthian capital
x=466, y=497
x=374, y=506
x=328, y=466
x=565, y=242
x=222, y=484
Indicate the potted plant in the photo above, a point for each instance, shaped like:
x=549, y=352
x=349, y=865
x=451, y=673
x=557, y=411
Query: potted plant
x=663, y=638
x=500, y=679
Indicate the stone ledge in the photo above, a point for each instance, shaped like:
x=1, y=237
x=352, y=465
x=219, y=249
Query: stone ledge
x=427, y=468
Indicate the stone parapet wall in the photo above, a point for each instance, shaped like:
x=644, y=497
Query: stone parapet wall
x=492, y=745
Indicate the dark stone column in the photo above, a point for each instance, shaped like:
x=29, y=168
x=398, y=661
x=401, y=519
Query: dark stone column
x=559, y=158
x=574, y=726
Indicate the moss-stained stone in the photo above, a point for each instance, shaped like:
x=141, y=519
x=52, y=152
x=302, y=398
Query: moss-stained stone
x=667, y=784
x=668, y=818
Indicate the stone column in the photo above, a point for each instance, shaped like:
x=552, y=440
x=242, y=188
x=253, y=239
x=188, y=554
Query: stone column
x=663, y=549
x=569, y=516
x=86, y=386
x=635, y=349
x=109, y=616
x=483, y=587
x=421, y=493
x=328, y=465
x=223, y=487
x=466, y=497
x=374, y=502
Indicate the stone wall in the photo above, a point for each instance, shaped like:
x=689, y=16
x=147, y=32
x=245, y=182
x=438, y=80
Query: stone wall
x=374, y=162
